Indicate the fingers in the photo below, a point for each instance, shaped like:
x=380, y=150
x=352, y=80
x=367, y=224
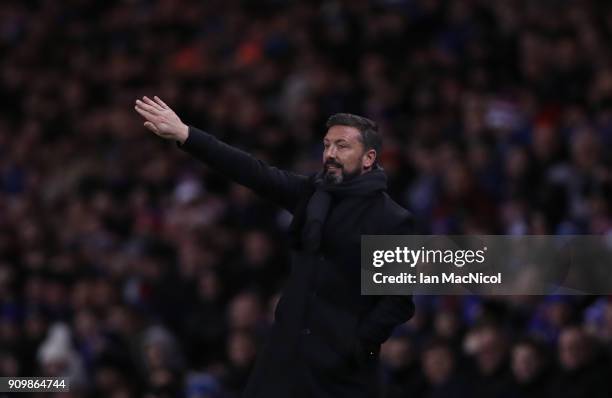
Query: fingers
x=154, y=109
x=154, y=104
x=151, y=127
x=144, y=112
x=160, y=102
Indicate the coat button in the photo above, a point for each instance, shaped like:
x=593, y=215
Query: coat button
x=306, y=331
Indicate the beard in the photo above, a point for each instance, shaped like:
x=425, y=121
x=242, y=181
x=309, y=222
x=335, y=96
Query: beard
x=338, y=176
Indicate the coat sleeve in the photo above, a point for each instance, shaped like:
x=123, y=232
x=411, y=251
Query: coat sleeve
x=281, y=187
x=389, y=311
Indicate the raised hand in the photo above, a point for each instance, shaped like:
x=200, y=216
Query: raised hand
x=161, y=120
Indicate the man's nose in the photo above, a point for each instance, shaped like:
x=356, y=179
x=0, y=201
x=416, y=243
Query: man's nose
x=330, y=152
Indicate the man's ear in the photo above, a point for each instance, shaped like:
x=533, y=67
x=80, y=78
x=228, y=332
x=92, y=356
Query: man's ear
x=369, y=158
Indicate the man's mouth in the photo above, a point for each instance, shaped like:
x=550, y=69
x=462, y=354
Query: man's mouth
x=332, y=167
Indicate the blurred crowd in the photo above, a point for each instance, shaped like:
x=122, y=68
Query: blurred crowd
x=136, y=271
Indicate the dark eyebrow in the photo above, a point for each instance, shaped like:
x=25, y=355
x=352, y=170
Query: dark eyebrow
x=339, y=140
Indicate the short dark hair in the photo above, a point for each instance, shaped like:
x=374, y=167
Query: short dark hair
x=370, y=136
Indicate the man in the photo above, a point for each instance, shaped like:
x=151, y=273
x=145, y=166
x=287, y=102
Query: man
x=326, y=336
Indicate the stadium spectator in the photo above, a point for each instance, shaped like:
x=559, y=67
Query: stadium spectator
x=530, y=370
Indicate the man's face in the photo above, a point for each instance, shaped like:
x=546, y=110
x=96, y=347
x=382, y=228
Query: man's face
x=344, y=156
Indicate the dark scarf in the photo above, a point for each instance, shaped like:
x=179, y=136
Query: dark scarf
x=306, y=227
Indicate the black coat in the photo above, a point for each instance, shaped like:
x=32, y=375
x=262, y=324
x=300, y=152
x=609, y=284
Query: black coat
x=325, y=338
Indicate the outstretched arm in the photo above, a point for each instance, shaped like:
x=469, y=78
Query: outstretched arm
x=279, y=186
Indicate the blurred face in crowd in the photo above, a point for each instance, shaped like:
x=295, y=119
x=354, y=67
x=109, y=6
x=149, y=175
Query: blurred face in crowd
x=241, y=349
x=573, y=349
x=526, y=363
x=344, y=156
x=438, y=364
x=491, y=351
x=257, y=248
x=396, y=352
x=244, y=311
x=155, y=355
x=457, y=179
x=209, y=287
x=446, y=324
x=585, y=150
x=9, y=365
x=558, y=313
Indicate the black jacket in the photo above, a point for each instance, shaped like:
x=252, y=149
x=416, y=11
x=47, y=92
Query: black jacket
x=325, y=338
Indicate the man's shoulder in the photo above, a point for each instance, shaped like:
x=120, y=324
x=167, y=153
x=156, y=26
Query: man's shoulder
x=393, y=209
x=391, y=218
